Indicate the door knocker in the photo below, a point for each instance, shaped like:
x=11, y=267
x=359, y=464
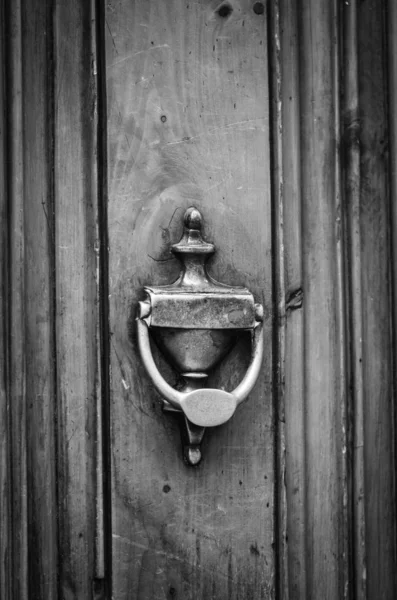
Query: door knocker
x=194, y=322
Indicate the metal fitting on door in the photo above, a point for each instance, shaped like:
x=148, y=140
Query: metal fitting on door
x=195, y=321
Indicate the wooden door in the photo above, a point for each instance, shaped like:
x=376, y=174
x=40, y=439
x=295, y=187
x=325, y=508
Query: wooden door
x=276, y=119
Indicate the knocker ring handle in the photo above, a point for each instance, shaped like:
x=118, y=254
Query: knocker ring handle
x=205, y=407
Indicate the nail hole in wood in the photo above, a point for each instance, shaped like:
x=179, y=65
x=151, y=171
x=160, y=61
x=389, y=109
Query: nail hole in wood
x=225, y=10
x=259, y=8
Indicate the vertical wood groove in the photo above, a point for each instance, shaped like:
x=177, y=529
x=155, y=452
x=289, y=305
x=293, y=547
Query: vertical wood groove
x=391, y=16
x=341, y=298
x=351, y=141
x=5, y=466
x=99, y=552
x=16, y=332
x=103, y=291
x=280, y=513
x=376, y=269
x=291, y=307
x=39, y=299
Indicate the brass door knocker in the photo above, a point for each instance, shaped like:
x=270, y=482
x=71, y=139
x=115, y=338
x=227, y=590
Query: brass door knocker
x=194, y=322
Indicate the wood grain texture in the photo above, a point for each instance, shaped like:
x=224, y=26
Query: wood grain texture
x=38, y=300
x=291, y=501
x=392, y=96
x=16, y=339
x=5, y=499
x=292, y=305
x=321, y=316
x=352, y=185
x=50, y=208
x=313, y=253
x=76, y=247
x=392, y=128
x=276, y=120
x=102, y=585
x=341, y=310
x=379, y=470
x=32, y=553
x=188, y=124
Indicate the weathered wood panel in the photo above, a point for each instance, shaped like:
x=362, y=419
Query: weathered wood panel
x=279, y=337
x=32, y=554
x=188, y=124
x=16, y=330
x=379, y=400
x=322, y=326
x=50, y=266
x=392, y=128
x=392, y=102
x=76, y=248
x=5, y=515
x=39, y=337
x=291, y=306
x=352, y=185
x=313, y=304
